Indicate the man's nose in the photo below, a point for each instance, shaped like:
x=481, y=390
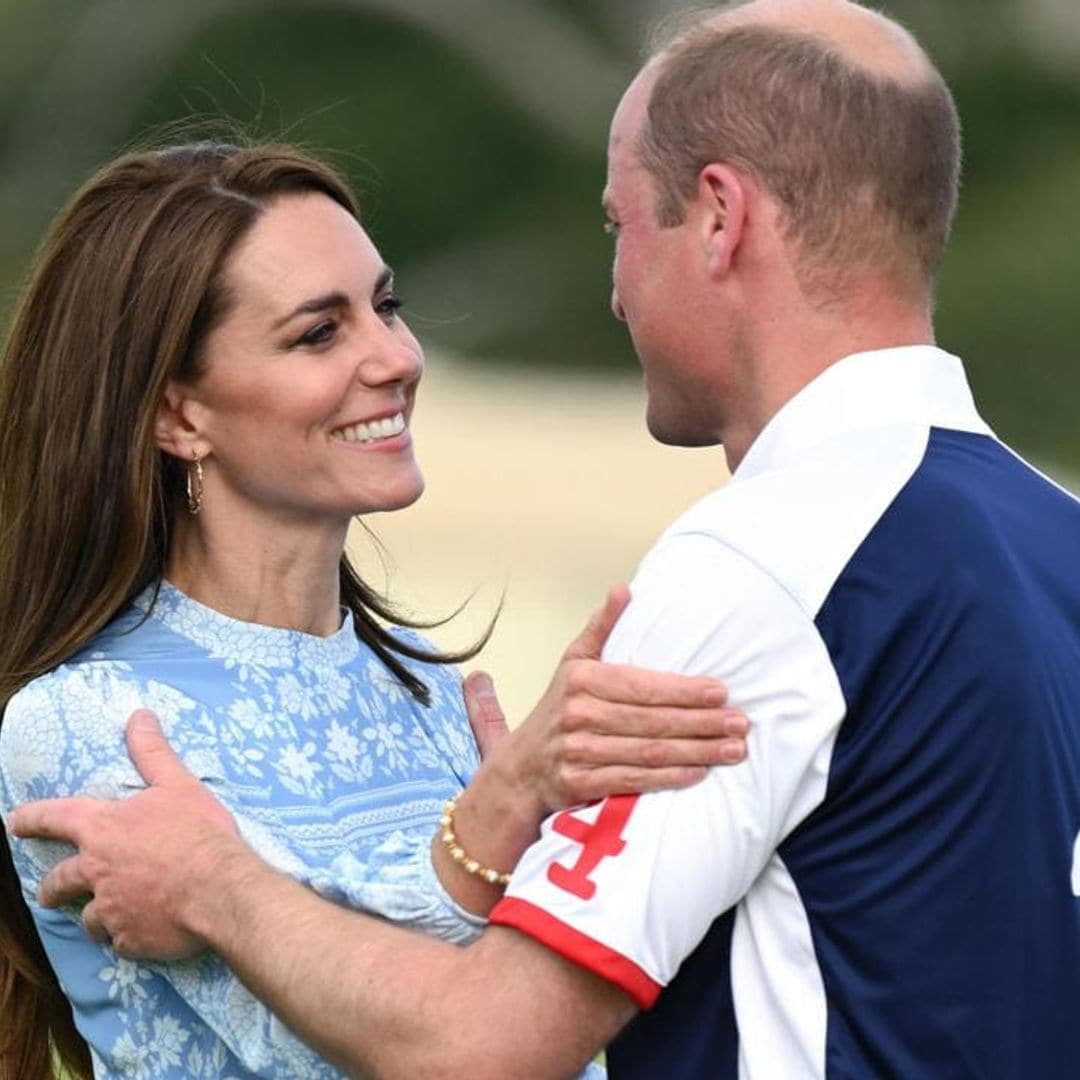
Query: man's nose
x=616, y=306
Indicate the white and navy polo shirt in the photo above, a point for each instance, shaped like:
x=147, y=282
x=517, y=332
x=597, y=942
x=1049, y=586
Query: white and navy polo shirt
x=890, y=884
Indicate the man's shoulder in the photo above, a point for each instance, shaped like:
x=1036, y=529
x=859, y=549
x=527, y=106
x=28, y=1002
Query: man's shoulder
x=799, y=525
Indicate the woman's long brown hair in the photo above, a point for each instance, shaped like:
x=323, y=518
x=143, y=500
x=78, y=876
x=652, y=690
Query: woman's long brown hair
x=125, y=289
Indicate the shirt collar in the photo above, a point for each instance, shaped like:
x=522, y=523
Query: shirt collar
x=913, y=384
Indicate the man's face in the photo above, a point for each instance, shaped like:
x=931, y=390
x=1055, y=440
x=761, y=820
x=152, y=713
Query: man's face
x=657, y=289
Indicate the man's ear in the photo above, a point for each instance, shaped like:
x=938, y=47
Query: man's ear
x=722, y=198
x=178, y=424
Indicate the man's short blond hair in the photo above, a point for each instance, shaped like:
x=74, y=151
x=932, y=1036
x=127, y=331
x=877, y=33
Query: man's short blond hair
x=865, y=167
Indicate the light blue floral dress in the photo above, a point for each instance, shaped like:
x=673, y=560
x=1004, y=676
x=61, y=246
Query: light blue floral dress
x=335, y=775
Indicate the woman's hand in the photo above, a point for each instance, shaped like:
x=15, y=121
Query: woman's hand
x=600, y=729
x=606, y=729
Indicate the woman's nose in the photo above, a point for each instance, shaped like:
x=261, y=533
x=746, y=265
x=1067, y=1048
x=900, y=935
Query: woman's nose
x=394, y=356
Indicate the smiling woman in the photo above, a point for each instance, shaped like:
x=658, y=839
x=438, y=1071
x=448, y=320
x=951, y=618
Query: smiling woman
x=207, y=379
x=302, y=412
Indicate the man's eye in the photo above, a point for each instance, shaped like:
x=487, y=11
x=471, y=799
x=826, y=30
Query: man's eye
x=389, y=306
x=319, y=335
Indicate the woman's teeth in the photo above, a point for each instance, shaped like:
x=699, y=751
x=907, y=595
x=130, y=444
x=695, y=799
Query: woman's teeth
x=371, y=431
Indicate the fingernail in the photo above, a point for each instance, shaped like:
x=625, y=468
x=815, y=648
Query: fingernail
x=737, y=723
x=481, y=685
x=143, y=718
x=735, y=752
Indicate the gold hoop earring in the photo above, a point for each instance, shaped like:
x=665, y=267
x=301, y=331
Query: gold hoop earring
x=194, y=484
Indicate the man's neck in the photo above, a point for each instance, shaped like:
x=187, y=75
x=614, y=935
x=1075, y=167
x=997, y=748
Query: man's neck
x=787, y=361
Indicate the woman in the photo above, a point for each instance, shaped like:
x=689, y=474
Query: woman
x=206, y=381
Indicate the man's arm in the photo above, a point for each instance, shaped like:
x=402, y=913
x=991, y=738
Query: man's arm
x=368, y=995
x=681, y=859
x=380, y=1000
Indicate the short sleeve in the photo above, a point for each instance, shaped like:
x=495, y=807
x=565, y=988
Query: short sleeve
x=628, y=887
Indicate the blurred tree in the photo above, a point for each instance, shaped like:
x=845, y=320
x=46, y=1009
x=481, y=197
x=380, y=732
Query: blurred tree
x=476, y=131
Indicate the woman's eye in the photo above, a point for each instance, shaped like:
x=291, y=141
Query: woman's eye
x=319, y=335
x=611, y=228
x=389, y=306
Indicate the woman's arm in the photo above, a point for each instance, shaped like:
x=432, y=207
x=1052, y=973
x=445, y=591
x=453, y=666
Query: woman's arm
x=600, y=729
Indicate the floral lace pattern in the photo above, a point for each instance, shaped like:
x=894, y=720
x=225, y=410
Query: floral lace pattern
x=334, y=773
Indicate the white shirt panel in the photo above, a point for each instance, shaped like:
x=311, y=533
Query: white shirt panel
x=778, y=991
x=731, y=590
x=690, y=855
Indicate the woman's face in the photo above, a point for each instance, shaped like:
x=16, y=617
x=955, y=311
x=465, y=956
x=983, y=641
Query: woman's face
x=310, y=378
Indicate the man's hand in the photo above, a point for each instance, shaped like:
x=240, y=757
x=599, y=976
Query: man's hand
x=142, y=860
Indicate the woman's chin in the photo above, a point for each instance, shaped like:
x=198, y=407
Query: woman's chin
x=399, y=499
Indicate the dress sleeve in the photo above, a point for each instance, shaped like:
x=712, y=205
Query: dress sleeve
x=63, y=735
x=397, y=882
x=629, y=887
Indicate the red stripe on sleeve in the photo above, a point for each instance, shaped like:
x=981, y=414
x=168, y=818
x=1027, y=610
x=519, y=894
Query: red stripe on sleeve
x=575, y=946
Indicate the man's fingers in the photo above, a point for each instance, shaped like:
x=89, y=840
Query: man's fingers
x=486, y=716
x=590, y=643
x=151, y=753
x=66, y=883
x=54, y=819
x=95, y=928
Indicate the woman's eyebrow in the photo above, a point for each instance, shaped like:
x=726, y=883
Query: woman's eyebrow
x=333, y=300
x=386, y=277
x=327, y=302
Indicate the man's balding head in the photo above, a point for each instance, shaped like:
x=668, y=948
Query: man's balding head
x=834, y=109
x=865, y=37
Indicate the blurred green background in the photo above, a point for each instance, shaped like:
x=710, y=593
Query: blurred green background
x=475, y=131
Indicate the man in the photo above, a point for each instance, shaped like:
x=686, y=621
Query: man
x=887, y=886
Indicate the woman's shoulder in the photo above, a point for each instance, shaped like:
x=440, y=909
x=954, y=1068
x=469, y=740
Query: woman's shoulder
x=63, y=732
x=72, y=713
x=52, y=696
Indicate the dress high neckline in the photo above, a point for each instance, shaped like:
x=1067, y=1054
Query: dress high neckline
x=241, y=641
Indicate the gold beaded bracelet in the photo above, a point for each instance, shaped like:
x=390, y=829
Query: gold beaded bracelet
x=460, y=855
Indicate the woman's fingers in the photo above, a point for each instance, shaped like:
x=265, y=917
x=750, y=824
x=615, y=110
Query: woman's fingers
x=486, y=717
x=638, y=686
x=589, y=644
x=590, y=751
x=598, y=717
x=589, y=785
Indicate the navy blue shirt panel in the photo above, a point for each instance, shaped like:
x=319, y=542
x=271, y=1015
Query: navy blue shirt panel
x=690, y=1032
x=936, y=874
